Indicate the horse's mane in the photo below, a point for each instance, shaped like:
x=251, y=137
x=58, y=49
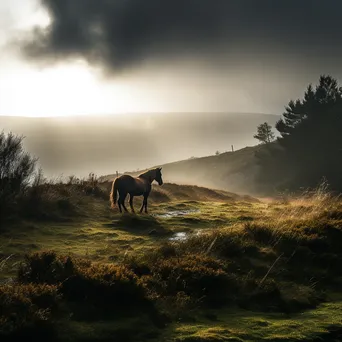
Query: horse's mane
x=146, y=173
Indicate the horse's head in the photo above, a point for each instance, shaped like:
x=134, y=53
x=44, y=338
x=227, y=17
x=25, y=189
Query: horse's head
x=158, y=176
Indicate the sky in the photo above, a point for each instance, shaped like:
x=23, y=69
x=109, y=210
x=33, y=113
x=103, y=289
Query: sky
x=112, y=58
x=62, y=57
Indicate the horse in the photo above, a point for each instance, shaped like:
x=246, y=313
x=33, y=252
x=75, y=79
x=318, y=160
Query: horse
x=134, y=186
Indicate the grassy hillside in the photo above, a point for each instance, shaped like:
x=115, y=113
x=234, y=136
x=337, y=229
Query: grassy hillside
x=65, y=214
x=205, y=265
x=232, y=171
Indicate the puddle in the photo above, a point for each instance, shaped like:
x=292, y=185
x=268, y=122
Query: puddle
x=183, y=236
x=179, y=237
x=176, y=213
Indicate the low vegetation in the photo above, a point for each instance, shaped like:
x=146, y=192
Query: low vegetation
x=224, y=268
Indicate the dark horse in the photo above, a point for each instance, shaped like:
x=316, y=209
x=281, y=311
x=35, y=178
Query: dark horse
x=134, y=186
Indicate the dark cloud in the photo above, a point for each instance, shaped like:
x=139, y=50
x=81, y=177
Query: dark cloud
x=123, y=33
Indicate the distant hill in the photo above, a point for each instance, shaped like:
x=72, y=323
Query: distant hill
x=174, y=192
x=231, y=171
x=104, y=144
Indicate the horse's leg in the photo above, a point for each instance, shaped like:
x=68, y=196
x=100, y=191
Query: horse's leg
x=123, y=201
x=145, y=200
x=142, y=207
x=144, y=204
x=119, y=204
x=131, y=202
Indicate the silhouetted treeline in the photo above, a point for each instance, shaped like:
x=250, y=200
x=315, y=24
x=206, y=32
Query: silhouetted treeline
x=310, y=146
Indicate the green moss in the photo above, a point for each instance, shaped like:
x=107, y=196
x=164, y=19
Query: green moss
x=237, y=325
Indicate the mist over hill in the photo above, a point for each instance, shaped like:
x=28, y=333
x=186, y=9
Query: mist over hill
x=103, y=144
x=230, y=171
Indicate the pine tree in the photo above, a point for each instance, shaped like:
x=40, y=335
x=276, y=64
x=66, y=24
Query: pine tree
x=264, y=133
x=310, y=143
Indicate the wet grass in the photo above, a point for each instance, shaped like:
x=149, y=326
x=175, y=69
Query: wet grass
x=103, y=235
x=242, y=271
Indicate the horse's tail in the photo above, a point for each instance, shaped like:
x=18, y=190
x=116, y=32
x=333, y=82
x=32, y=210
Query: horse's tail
x=114, y=193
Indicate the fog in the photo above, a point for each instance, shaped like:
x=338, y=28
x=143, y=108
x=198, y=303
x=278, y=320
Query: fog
x=105, y=144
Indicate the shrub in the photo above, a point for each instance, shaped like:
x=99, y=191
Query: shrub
x=17, y=169
x=25, y=308
x=195, y=275
x=106, y=287
x=45, y=268
x=262, y=234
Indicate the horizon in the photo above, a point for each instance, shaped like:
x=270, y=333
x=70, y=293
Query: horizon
x=99, y=115
x=106, y=144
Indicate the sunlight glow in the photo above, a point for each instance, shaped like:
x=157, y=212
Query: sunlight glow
x=63, y=91
x=73, y=88
x=59, y=90
x=38, y=17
